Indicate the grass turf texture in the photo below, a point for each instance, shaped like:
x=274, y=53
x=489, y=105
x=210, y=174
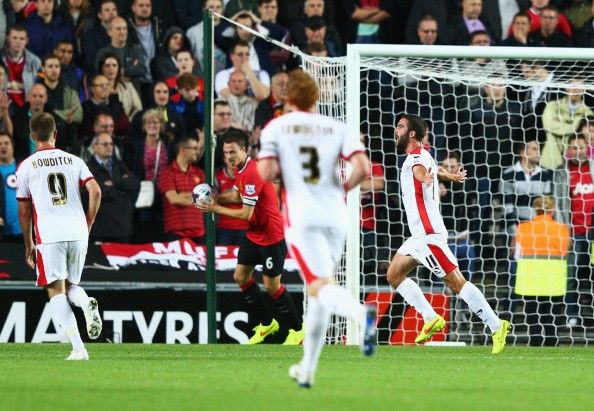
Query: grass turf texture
x=233, y=377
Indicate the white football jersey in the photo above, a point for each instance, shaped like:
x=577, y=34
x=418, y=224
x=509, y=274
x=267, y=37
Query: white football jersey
x=421, y=203
x=51, y=179
x=308, y=147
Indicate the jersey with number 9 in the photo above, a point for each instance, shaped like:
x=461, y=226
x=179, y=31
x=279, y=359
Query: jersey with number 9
x=308, y=147
x=51, y=179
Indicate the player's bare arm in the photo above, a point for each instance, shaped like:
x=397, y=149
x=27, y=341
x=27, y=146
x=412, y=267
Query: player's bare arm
x=94, y=201
x=243, y=213
x=361, y=170
x=445, y=175
x=26, y=221
x=268, y=169
x=423, y=175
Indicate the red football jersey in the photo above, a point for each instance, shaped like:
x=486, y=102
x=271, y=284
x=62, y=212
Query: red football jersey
x=226, y=183
x=266, y=224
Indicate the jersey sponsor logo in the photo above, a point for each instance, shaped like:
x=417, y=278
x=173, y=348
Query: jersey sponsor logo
x=250, y=189
x=583, y=189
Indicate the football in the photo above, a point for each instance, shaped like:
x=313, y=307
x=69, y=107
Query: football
x=202, y=192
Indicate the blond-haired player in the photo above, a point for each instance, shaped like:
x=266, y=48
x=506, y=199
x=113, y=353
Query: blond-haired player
x=305, y=147
x=48, y=190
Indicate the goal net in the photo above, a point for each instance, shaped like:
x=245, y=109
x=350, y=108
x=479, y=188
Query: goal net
x=491, y=111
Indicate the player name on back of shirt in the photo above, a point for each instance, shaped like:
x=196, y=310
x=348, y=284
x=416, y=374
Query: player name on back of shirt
x=51, y=162
x=307, y=129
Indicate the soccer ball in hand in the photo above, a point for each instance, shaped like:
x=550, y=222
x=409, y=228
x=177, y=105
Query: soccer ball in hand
x=202, y=192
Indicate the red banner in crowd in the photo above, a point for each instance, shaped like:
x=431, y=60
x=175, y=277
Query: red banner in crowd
x=180, y=254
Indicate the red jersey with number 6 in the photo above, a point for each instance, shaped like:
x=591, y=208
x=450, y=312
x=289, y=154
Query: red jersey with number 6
x=266, y=224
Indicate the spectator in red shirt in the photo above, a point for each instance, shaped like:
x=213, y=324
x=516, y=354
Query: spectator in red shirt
x=176, y=182
x=230, y=230
x=534, y=13
x=264, y=242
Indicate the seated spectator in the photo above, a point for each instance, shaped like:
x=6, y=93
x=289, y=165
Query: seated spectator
x=534, y=13
x=227, y=35
x=109, y=66
x=230, y=230
x=175, y=128
x=186, y=64
x=548, y=35
x=441, y=10
x=103, y=101
x=176, y=183
x=63, y=101
x=119, y=190
x=242, y=106
x=268, y=10
x=222, y=122
x=196, y=37
x=103, y=124
x=315, y=32
x=541, y=247
x=427, y=31
x=72, y=75
x=272, y=107
x=10, y=229
x=191, y=104
x=164, y=65
x=584, y=37
x=46, y=28
x=130, y=55
x=311, y=9
x=22, y=65
x=520, y=31
x=5, y=121
x=258, y=80
x=94, y=33
x=560, y=119
x=36, y=103
x=522, y=183
x=470, y=21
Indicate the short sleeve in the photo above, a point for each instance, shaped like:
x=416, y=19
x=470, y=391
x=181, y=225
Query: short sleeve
x=268, y=144
x=166, y=180
x=23, y=192
x=250, y=187
x=85, y=173
x=350, y=143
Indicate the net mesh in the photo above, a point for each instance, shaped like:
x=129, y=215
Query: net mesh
x=485, y=110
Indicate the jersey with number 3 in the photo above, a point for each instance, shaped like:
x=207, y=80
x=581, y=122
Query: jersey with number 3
x=51, y=179
x=308, y=147
x=421, y=202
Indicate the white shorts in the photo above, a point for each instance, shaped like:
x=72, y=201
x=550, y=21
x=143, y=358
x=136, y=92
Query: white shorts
x=433, y=252
x=60, y=261
x=316, y=250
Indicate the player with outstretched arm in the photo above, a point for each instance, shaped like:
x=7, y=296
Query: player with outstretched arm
x=305, y=147
x=48, y=190
x=428, y=243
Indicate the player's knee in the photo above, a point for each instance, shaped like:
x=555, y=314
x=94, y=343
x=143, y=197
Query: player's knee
x=454, y=281
x=395, y=275
x=272, y=286
x=240, y=278
x=315, y=286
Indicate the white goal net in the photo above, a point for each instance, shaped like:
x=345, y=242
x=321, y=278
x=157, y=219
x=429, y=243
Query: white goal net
x=491, y=111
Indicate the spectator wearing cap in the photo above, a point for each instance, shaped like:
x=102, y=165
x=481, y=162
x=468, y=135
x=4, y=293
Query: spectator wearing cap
x=164, y=64
x=316, y=32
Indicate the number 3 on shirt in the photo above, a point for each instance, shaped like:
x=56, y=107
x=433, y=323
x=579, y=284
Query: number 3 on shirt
x=56, y=182
x=311, y=164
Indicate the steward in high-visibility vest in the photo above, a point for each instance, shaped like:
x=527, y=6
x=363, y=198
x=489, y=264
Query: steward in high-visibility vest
x=541, y=251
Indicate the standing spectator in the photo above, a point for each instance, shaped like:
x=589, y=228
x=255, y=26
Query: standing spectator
x=46, y=28
x=164, y=65
x=242, y=105
x=103, y=123
x=586, y=129
x=222, y=122
x=109, y=66
x=145, y=29
x=196, y=37
x=522, y=183
x=10, y=229
x=130, y=55
x=371, y=18
x=119, y=189
x=63, y=101
x=5, y=120
x=534, y=13
x=470, y=20
x=427, y=31
x=574, y=189
x=176, y=182
x=188, y=12
x=584, y=37
x=230, y=230
x=102, y=101
x=549, y=35
x=21, y=64
x=186, y=64
x=541, y=246
x=72, y=75
x=271, y=107
x=36, y=103
x=94, y=34
x=258, y=80
x=560, y=119
x=535, y=98
x=520, y=31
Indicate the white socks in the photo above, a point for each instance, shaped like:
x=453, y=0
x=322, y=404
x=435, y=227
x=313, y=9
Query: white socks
x=412, y=294
x=316, y=323
x=78, y=296
x=479, y=305
x=336, y=300
x=64, y=317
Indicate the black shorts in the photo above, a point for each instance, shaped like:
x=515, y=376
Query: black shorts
x=272, y=257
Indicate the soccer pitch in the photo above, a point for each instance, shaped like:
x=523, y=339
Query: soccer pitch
x=234, y=377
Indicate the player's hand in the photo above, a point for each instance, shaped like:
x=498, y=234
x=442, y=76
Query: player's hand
x=30, y=257
x=460, y=176
x=428, y=179
x=207, y=206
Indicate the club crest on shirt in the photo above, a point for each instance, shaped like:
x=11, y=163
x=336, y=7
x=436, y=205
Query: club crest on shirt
x=250, y=189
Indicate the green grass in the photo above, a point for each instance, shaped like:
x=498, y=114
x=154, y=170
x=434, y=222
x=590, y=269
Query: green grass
x=233, y=377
